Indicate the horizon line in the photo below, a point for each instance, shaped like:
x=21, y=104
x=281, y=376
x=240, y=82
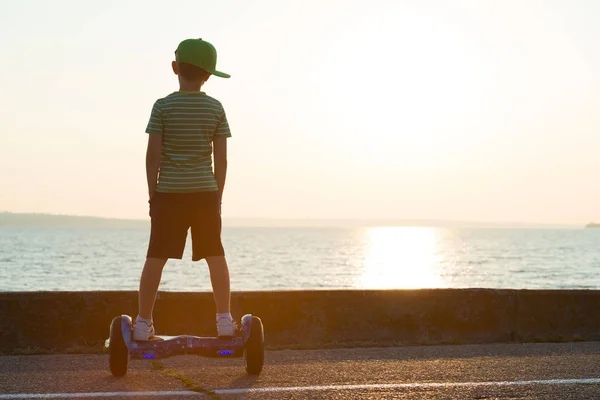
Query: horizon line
x=366, y=220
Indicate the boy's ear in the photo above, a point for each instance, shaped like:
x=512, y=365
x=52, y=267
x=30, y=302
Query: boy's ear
x=174, y=66
x=206, y=77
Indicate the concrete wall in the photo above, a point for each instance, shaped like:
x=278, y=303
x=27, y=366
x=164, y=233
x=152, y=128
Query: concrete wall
x=63, y=320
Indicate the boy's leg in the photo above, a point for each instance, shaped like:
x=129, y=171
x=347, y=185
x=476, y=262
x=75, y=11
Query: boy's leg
x=219, y=278
x=206, y=243
x=169, y=226
x=149, y=283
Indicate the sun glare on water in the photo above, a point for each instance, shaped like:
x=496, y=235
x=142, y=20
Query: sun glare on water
x=400, y=258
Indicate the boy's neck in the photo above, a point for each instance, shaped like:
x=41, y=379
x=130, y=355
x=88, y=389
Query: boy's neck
x=190, y=88
x=185, y=86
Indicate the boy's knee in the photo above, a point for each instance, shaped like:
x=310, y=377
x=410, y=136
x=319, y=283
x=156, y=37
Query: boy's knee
x=216, y=261
x=155, y=263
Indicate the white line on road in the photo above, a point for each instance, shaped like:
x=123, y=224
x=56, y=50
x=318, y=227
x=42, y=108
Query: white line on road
x=423, y=385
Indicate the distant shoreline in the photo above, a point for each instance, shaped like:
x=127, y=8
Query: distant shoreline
x=58, y=220
x=34, y=219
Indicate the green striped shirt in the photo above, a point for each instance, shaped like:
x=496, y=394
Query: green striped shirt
x=189, y=122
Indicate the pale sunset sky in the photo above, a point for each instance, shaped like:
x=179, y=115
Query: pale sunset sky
x=453, y=110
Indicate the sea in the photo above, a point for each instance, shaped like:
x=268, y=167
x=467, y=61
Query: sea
x=82, y=258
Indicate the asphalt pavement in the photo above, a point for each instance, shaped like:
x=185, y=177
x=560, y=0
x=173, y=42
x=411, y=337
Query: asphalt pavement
x=500, y=371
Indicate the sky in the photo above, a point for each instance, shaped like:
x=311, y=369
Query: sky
x=451, y=110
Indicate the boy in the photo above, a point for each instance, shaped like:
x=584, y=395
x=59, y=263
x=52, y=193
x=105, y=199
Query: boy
x=185, y=129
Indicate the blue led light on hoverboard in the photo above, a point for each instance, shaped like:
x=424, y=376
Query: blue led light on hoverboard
x=148, y=355
x=225, y=352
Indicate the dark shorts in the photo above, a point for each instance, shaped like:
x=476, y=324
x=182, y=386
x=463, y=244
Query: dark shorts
x=173, y=214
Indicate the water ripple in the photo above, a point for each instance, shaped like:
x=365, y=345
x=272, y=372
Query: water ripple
x=305, y=258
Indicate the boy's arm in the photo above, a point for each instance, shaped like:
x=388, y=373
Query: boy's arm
x=154, y=150
x=220, y=155
x=153, y=154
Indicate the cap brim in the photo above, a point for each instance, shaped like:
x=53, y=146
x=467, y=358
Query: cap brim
x=221, y=74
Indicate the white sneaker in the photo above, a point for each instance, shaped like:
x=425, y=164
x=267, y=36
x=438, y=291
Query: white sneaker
x=226, y=327
x=143, y=331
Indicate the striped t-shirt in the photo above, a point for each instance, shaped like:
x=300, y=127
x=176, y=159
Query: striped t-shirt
x=188, y=121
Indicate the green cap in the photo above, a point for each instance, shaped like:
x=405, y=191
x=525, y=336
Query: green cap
x=200, y=53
